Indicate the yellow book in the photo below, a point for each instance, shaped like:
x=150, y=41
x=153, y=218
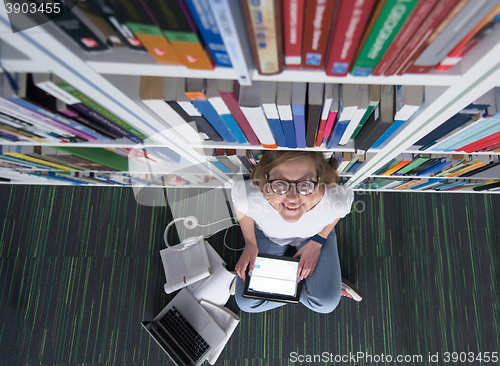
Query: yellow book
x=476, y=165
x=39, y=161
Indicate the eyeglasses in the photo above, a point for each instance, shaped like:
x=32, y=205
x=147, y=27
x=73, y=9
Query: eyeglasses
x=303, y=187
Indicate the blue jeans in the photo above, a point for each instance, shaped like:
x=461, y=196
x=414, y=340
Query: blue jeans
x=320, y=291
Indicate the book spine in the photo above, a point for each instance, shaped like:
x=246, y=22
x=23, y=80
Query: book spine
x=337, y=133
x=293, y=23
x=77, y=129
x=299, y=121
x=263, y=20
x=387, y=26
x=313, y=118
x=131, y=133
x=441, y=20
x=317, y=22
x=258, y=121
x=286, y=116
x=274, y=123
x=330, y=123
x=416, y=18
x=224, y=113
x=209, y=30
x=185, y=108
x=350, y=24
x=200, y=101
x=233, y=31
x=232, y=104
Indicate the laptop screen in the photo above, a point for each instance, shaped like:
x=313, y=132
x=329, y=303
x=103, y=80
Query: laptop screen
x=274, y=276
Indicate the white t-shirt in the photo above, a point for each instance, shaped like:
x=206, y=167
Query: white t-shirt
x=336, y=203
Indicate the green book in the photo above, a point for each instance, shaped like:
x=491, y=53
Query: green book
x=98, y=155
x=390, y=21
x=374, y=101
x=100, y=109
x=412, y=165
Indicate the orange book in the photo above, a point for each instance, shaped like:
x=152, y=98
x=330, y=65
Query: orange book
x=397, y=167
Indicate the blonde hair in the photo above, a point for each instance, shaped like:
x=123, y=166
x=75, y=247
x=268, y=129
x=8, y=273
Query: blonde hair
x=325, y=173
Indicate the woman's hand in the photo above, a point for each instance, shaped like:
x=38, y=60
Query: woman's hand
x=247, y=259
x=309, y=256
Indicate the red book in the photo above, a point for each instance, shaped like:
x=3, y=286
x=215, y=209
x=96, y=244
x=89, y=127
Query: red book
x=318, y=19
x=450, y=15
x=293, y=24
x=352, y=18
x=438, y=13
x=230, y=95
x=483, y=143
x=330, y=122
x=416, y=18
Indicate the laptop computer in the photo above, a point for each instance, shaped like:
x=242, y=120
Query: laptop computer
x=273, y=278
x=185, y=331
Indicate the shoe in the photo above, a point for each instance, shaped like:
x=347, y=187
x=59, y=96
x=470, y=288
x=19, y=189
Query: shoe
x=350, y=291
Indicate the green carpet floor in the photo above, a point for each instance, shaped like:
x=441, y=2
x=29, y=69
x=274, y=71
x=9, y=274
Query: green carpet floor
x=79, y=270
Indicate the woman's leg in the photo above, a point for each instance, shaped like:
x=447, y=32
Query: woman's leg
x=249, y=305
x=321, y=290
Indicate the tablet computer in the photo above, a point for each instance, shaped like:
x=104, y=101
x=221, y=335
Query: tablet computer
x=273, y=278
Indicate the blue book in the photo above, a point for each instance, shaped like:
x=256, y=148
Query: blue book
x=388, y=133
x=443, y=129
x=451, y=185
x=289, y=130
x=220, y=166
x=233, y=126
x=337, y=133
x=214, y=119
x=207, y=26
x=420, y=186
x=299, y=112
x=436, y=168
x=487, y=127
x=277, y=130
x=354, y=167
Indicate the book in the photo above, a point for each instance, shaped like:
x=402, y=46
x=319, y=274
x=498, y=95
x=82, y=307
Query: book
x=213, y=96
x=444, y=40
x=174, y=20
x=414, y=21
x=89, y=15
x=268, y=99
x=325, y=112
x=174, y=94
x=230, y=20
x=317, y=22
x=333, y=114
x=315, y=95
x=114, y=20
x=250, y=105
x=79, y=32
x=482, y=143
x=284, y=105
x=185, y=264
x=98, y=155
x=485, y=27
x=350, y=24
x=359, y=114
x=438, y=13
x=347, y=109
x=386, y=27
x=149, y=34
x=209, y=31
x=374, y=100
x=293, y=25
x=263, y=19
x=195, y=91
x=100, y=114
x=377, y=123
x=229, y=92
x=299, y=91
x=151, y=93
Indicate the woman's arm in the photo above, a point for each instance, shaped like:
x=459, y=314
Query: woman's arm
x=249, y=255
x=309, y=253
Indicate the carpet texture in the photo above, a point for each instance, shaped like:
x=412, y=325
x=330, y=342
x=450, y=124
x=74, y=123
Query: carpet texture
x=80, y=269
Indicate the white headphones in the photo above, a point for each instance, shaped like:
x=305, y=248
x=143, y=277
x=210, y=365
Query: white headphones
x=191, y=222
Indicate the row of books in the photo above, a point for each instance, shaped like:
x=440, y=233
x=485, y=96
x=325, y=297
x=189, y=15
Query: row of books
x=464, y=132
x=440, y=166
x=438, y=185
x=283, y=114
x=370, y=37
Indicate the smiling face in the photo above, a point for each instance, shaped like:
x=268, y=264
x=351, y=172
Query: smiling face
x=292, y=205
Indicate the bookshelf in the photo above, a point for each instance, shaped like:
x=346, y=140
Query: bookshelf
x=112, y=77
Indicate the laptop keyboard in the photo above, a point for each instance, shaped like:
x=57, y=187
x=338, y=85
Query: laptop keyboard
x=189, y=340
